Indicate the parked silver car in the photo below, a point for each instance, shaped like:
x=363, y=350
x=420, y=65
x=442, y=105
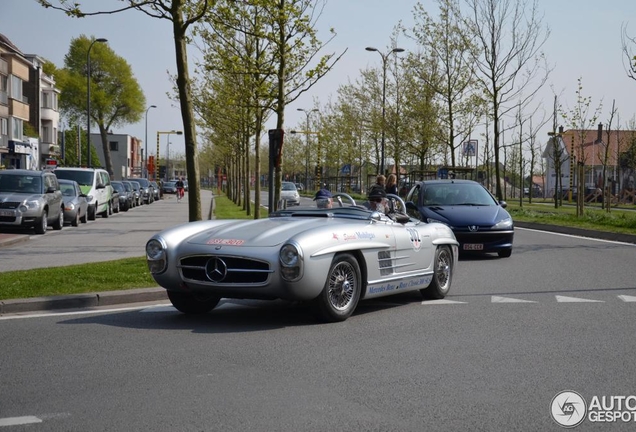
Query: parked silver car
x=31, y=199
x=290, y=194
x=75, y=202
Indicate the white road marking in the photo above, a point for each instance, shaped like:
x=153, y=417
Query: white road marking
x=82, y=312
x=577, y=236
x=627, y=298
x=564, y=299
x=16, y=421
x=498, y=299
x=441, y=302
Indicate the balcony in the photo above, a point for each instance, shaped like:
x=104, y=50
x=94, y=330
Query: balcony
x=49, y=114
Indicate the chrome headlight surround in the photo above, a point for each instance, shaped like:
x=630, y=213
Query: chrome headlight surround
x=503, y=224
x=156, y=255
x=291, y=260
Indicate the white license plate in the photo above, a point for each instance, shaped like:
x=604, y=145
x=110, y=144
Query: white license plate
x=473, y=246
x=7, y=213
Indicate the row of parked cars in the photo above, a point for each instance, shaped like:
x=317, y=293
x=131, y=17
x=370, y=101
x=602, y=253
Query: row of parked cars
x=39, y=199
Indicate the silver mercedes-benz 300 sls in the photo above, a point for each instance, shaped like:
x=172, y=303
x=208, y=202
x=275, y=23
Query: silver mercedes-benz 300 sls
x=331, y=257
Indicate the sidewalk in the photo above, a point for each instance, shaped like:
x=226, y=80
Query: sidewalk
x=7, y=239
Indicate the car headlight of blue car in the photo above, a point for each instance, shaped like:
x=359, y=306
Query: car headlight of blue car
x=503, y=224
x=291, y=260
x=156, y=255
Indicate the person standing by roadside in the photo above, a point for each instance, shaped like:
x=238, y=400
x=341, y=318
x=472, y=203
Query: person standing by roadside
x=391, y=185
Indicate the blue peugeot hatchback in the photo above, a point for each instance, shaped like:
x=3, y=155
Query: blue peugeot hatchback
x=479, y=221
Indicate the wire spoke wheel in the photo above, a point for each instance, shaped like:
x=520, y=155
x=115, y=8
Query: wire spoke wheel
x=342, y=290
x=342, y=282
x=442, y=275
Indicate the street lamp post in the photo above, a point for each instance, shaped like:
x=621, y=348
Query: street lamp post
x=385, y=57
x=307, y=113
x=88, y=99
x=145, y=170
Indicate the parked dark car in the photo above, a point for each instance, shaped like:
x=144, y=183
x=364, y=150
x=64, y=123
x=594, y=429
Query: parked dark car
x=480, y=223
x=75, y=202
x=30, y=199
x=147, y=195
x=170, y=187
x=155, y=188
x=125, y=197
x=131, y=192
x=137, y=191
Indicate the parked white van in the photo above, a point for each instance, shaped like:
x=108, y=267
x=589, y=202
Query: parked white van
x=94, y=182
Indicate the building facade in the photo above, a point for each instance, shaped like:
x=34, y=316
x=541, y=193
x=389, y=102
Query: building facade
x=125, y=154
x=27, y=97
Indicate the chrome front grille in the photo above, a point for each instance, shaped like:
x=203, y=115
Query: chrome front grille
x=216, y=269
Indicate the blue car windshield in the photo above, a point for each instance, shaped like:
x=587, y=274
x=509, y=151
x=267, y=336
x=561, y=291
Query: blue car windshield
x=457, y=194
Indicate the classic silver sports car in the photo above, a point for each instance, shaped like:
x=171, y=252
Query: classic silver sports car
x=330, y=257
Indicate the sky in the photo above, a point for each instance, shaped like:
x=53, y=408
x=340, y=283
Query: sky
x=585, y=42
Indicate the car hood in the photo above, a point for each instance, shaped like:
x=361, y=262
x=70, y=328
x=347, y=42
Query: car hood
x=467, y=215
x=256, y=233
x=18, y=197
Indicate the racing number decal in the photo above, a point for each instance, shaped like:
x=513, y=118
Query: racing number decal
x=415, y=238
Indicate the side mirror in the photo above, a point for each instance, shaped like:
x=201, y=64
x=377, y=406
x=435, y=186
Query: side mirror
x=50, y=189
x=503, y=204
x=101, y=185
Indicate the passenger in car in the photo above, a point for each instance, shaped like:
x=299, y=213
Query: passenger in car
x=323, y=199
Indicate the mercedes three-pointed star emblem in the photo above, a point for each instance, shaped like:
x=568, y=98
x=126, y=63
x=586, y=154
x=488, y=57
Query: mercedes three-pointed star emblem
x=216, y=269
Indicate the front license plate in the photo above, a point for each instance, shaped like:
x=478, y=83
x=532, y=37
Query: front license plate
x=473, y=246
x=7, y=213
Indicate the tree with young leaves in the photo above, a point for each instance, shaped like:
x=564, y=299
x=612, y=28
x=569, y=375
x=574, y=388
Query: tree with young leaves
x=580, y=118
x=448, y=47
x=182, y=14
x=116, y=98
x=509, y=62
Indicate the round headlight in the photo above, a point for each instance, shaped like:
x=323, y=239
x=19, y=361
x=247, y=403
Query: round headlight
x=289, y=255
x=154, y=249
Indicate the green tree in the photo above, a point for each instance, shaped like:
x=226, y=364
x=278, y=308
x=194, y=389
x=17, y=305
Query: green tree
x=182, y=14
x=116, y=98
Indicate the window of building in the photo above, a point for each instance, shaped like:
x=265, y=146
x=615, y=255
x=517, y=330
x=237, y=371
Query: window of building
x=16, y=88
x=4, y=126
x=46, y=134
x=16, y=129
x=3, y=90
x=114, y=146
x=46, y=100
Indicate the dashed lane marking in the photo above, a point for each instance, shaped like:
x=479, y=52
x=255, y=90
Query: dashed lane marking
x=17, y=421
x=565, y=299
x=627, y=298
x=441, y=302
x=498, y=299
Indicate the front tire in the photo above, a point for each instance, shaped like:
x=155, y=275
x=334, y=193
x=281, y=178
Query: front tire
x=190, y=304
x=505, y=253
x=342, y=290
x=59, y=223
x=442, y=275
x=92, y=212
x=42, y=223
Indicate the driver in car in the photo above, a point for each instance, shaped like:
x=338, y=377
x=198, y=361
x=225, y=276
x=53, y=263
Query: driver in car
x=323, y=199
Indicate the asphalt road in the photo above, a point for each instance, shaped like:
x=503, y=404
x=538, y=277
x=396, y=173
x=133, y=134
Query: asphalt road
x=557, y=315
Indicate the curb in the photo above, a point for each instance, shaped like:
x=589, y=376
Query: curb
x=11, y=239
x=82, y=301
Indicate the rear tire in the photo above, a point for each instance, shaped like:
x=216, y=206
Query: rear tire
x=190, y=304
x=107, y=212
x=75, y=222
x=442, y=275
x=84, y=219
x=341, y=293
